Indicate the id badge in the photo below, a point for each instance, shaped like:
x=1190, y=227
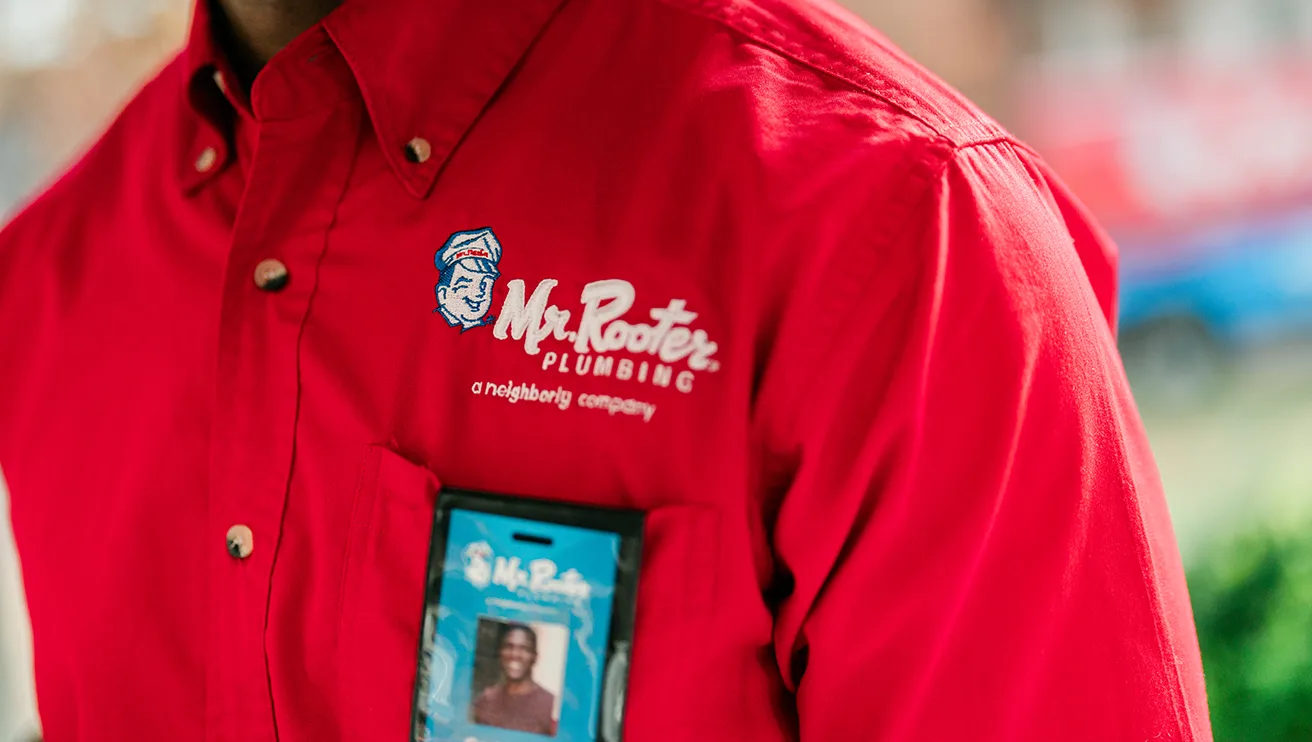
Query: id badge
x=528, y=621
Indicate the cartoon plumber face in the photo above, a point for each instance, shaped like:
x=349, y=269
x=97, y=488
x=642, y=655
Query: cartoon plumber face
x=467, y=266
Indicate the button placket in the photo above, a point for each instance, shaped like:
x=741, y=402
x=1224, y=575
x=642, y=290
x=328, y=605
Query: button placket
x=257, y=395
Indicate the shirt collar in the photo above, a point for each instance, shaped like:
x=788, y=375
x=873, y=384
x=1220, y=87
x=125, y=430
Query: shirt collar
x=201, y=54
x=426, y=69
x=202, y=62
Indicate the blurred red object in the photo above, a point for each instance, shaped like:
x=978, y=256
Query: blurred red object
x=1160, y=144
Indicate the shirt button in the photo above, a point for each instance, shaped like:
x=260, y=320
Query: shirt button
x=271, y=275
x=418, y=150
x=218, y=80
x=205, y=161
x=241, y=542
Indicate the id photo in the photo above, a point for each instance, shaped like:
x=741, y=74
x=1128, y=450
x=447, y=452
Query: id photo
x=519, y=673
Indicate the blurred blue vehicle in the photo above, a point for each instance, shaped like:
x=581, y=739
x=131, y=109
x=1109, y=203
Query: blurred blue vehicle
x=1189, y=303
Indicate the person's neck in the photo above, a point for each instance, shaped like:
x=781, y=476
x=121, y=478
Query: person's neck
x=252, y=31
x=519, y=687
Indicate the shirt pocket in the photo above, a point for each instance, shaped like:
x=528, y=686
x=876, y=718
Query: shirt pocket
x=383, y=595
x=381, y=617
x=673, y=618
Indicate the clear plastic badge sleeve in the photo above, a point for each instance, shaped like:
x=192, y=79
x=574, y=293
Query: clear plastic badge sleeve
x=528, y=620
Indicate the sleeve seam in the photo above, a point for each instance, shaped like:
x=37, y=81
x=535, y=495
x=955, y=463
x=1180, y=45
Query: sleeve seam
x=916, y=220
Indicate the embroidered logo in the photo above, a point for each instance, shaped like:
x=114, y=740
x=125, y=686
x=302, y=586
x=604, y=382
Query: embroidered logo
x=467, y=273
x=599, y=338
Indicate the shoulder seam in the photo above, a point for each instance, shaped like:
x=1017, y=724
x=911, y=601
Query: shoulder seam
x=733, y=19
x=740, y=25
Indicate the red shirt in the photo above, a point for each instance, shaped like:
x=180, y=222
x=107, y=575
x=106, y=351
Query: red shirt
x=845, y=340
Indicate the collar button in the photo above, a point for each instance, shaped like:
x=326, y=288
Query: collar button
x=418, y=150
x=206, y=160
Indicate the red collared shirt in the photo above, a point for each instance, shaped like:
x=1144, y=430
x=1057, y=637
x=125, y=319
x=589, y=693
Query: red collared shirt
x=736, y=263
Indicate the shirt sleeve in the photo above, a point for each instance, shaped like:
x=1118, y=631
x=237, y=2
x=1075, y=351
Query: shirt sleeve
x=972, y=538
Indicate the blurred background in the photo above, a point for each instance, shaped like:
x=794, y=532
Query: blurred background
x=1186, y=125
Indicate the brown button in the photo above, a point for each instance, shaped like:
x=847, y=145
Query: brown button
x=241, y=542
x=418, y=150
x=206, y=159
x=271, y=274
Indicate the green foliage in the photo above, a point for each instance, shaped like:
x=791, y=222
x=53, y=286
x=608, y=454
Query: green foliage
x=1253, y=604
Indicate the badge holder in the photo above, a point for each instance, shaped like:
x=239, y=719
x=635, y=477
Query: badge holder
x=528, y=621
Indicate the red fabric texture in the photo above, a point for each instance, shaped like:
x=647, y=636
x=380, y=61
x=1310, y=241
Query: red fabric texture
x=867, y=388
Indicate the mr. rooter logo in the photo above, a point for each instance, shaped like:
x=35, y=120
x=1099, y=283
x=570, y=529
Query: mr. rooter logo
x=652, y=351
x=540, y=577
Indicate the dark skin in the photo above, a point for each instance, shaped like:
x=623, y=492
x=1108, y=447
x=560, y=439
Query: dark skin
x=252, y=31
x=518, y=655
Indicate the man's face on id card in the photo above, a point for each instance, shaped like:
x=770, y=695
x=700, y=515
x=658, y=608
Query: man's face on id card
x=517, y=655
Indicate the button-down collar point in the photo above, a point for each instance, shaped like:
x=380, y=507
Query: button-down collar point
x=418, y=150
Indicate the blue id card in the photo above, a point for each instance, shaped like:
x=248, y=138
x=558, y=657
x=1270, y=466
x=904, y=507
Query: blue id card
x=527, y=622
